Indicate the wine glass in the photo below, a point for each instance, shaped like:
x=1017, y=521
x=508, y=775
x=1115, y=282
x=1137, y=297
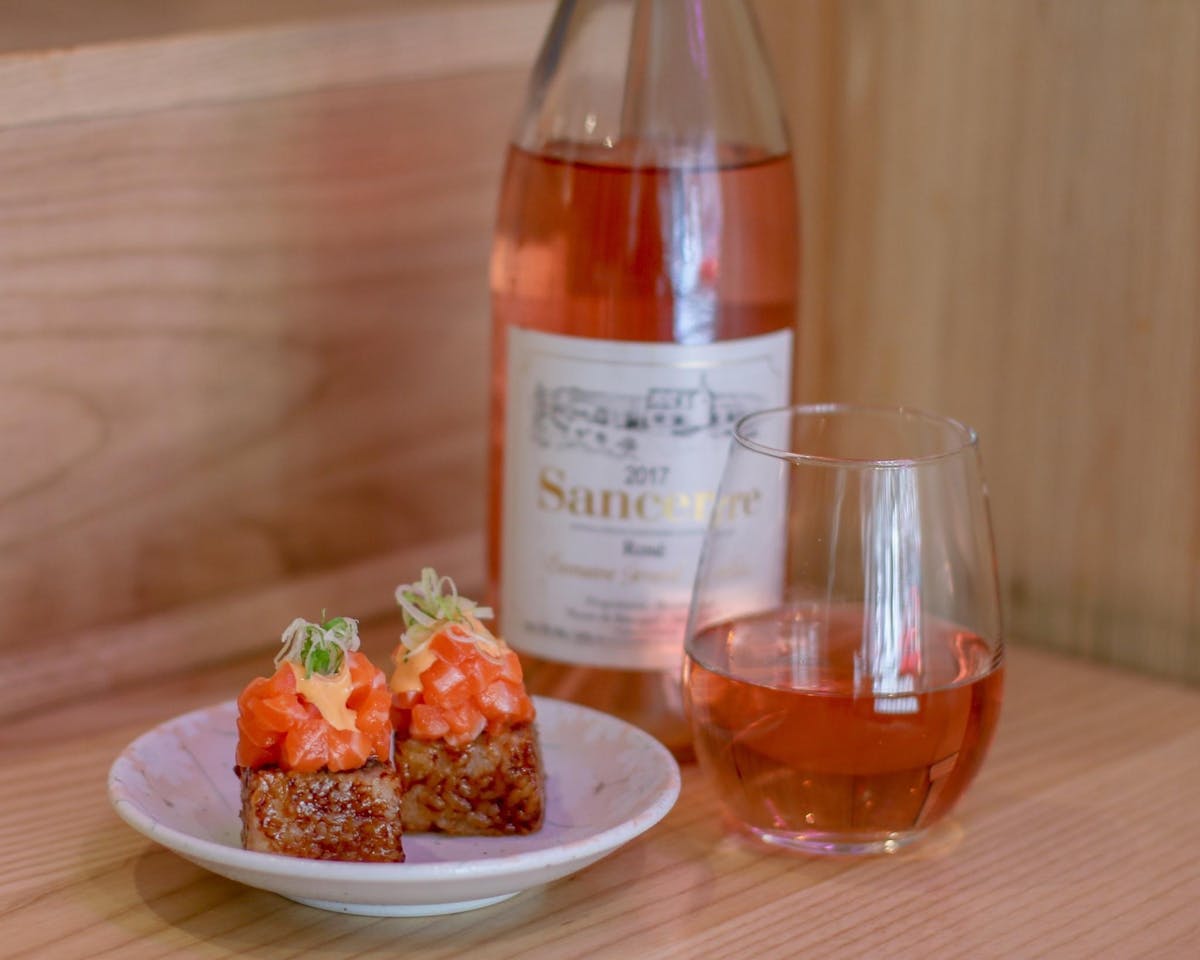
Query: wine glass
x=844, y=658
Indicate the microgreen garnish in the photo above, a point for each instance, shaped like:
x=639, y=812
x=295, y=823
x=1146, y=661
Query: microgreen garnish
x=320, y=648
x=432, y=604
x=434, y=598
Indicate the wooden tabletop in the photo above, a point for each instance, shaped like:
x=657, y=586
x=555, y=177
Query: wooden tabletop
x=1079, y=839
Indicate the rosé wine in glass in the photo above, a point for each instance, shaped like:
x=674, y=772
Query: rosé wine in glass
x=844, y=664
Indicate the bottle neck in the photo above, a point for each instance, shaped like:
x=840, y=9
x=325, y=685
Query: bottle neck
x=668, y=82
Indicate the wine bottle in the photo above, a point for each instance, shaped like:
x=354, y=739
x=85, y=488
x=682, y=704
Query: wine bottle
x=643, y=285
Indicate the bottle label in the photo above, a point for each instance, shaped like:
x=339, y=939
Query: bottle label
x=613, y=455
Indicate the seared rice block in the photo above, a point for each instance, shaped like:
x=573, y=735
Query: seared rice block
x=350, y=815
x=493, y=786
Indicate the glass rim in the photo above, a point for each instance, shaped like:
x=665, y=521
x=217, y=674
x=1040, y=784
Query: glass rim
x=967, y=438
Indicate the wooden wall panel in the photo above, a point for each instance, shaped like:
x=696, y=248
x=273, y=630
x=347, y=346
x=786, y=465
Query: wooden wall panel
x=243, y=304
x=801, y=39
x=243, y=345
x=225, y=329
x=1016, y=241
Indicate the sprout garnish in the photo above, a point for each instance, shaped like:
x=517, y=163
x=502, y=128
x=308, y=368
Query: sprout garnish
x=433, y=605
x=320, y=648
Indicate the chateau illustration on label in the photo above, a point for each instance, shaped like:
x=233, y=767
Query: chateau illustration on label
x=569, y=417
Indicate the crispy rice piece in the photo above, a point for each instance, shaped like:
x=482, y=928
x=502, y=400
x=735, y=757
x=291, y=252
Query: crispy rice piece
x=350, y=815
x=494, y=786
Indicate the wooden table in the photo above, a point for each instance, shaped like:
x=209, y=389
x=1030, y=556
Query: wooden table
x=1079, y=839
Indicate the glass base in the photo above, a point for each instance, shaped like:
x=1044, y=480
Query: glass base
x=816, y=843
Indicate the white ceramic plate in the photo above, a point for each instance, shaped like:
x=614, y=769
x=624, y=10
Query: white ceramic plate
x=606, y=782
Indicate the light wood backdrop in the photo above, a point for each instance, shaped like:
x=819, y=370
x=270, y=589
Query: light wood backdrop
x=1014, y=238
x=243, y=309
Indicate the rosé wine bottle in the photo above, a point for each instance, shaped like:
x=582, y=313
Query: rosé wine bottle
x=644, y=286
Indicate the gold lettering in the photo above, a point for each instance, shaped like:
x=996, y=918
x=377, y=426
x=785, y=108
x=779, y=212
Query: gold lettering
x=743, y=501
x=566, y=568
x=681, y=506
x=581, y=502
x=620, y=498
x=659, y=577
x=676, y=506
x=550, y=482
x=648, y=500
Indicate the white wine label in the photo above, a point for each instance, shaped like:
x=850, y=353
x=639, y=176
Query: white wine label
x=613, y=454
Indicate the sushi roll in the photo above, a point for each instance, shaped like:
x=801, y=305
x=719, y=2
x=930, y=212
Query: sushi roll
x=314, y=751
x=466, y=745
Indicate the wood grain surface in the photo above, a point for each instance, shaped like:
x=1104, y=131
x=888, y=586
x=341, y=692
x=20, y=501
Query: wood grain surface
x=177, y=53
x=41, y=25
x=1077, y=841
x=242, y=339
x=1014, y=240
x=243, y=298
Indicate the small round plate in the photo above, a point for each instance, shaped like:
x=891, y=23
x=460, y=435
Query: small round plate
x=606, y=783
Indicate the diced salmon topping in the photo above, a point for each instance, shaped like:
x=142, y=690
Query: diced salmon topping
x=463, y=692
x=445, y=685
x=278, y=727
x=428, y=723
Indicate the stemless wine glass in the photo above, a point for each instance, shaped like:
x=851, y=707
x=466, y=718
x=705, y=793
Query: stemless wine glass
x=844, y=665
